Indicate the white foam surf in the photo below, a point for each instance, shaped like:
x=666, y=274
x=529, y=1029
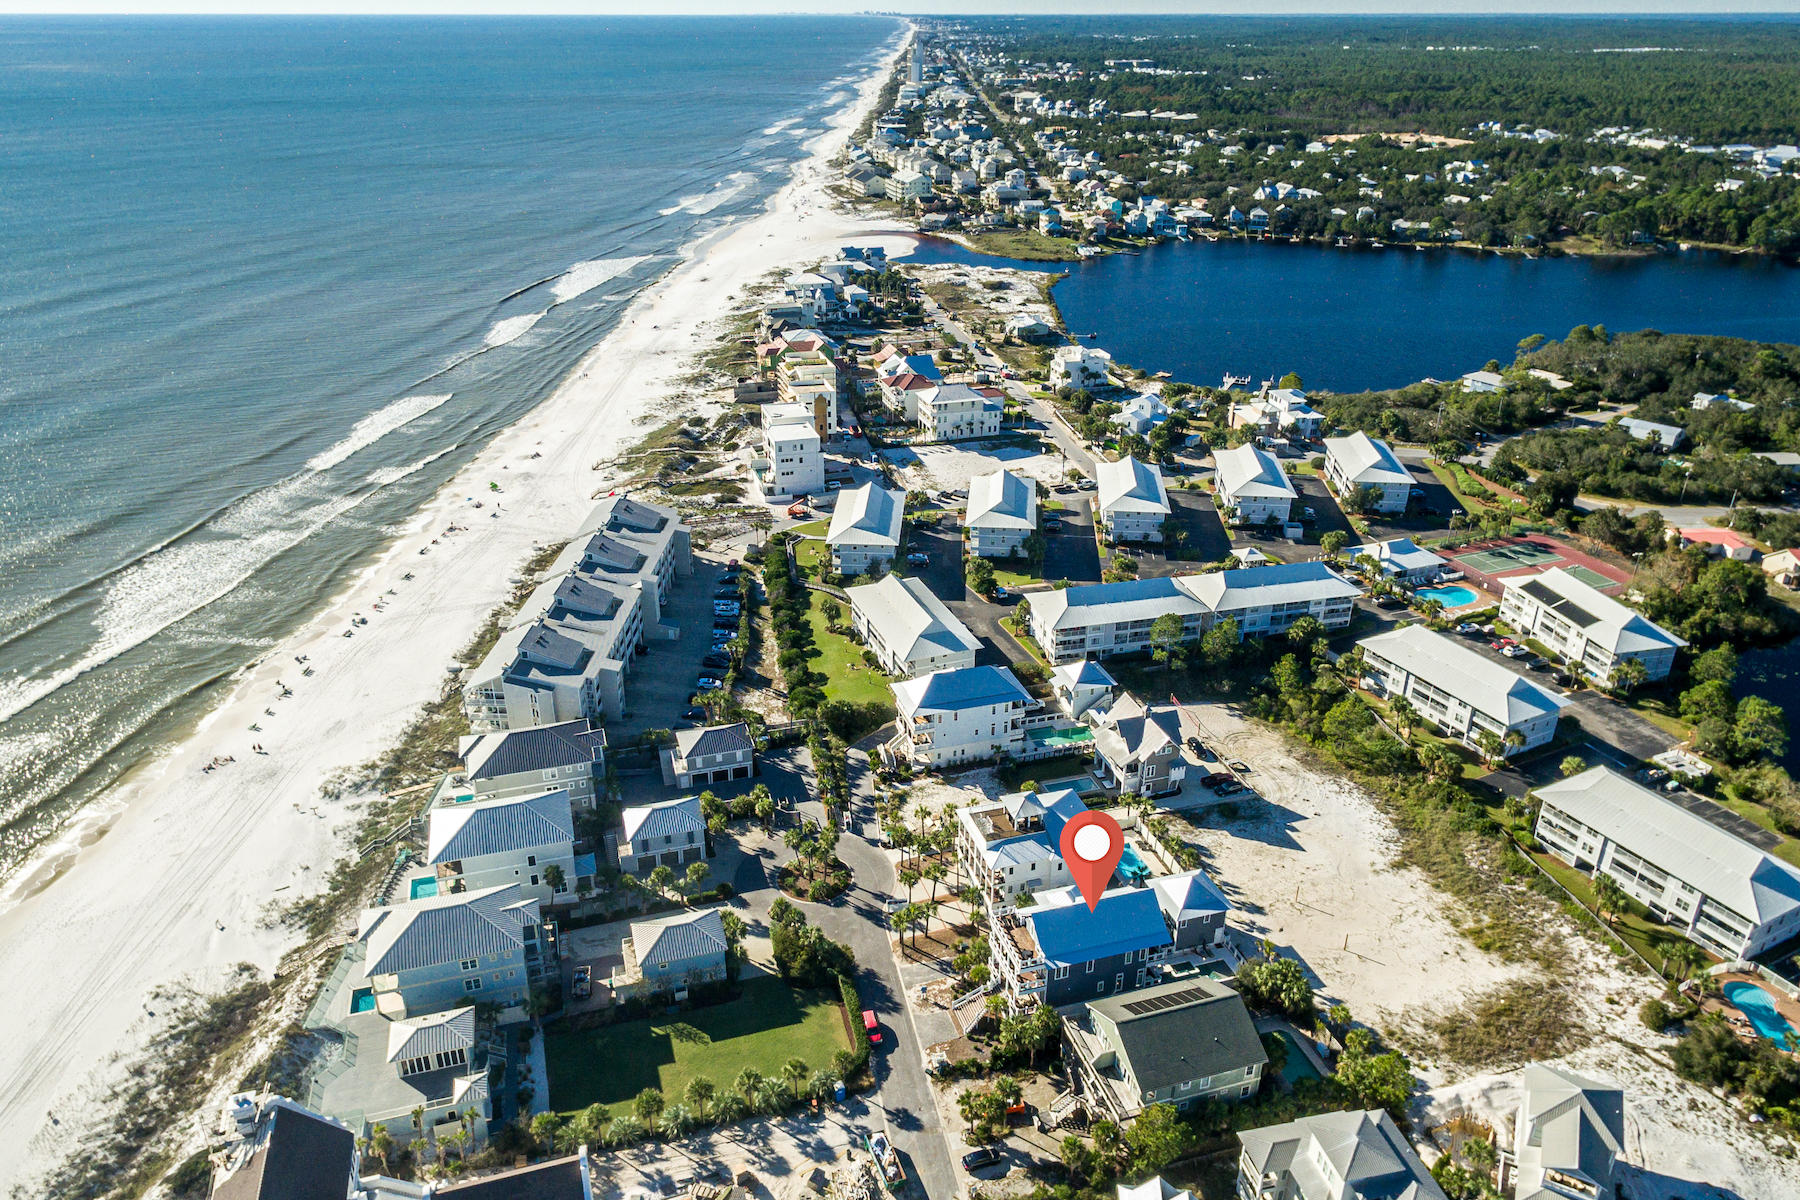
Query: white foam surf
x=701, y=203
x=376, y=426
x=584, y=277
x=511, y=329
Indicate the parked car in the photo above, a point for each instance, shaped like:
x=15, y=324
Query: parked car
x=832, y=485
x=871, y=1027
x=1196, y=745
x=717, y=661
x=1241, y=767
x=1514, y=651
x=584, y=982
x=1052, y=525
x=797, y=510
x=1086, y=485
x=706, y=683
x=916, y=559
x=1390, y=602
x=1230, y=787
x=1309, y=514
x=1215, y=779
x=1500, y=644
x=1468, y=628
x=981, y=1156
x=694, y=713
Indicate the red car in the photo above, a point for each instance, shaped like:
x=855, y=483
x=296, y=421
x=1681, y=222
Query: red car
x=871, y=1028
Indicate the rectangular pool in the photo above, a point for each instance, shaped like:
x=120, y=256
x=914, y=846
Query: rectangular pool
x=362, y=1000
x=422, y=887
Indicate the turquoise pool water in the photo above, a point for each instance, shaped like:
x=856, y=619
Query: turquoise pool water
x=1060, y=737
x=1755, y=1003
x=362, y=1000
x=1132, y=868
x=1297, y=1066
x=423, y=887
x=1449, y=597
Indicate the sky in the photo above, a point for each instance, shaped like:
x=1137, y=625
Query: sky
x=919, y=7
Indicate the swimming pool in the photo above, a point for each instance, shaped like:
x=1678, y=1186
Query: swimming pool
x=1449, y=597
x=1060, y=738
x=362, y=1000
x=1297, y=1066
x=422, y=887
x=1132, y=868
x=1756, y=1004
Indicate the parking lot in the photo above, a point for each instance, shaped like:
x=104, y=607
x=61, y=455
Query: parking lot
x=1070, y=552
x=661, y=683
x=1207, y=539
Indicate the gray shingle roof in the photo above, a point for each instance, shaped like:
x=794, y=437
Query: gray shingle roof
x=1177, y=1032
x=513, y=751
x=442, y=929
x=461, y=831
x=303, y=1157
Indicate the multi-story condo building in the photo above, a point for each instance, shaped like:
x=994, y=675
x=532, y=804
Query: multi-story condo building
x=962, y=716
x=809, y=377
x=953, y=411
x=428, y=955
x=864, y=534
x=1460, y=692
x=570, y=756
x=1115, y=618
x=1583, y=625
x=1334, y=1156
x=1359, y=461
x=1253, y=489
x=1002, y=513
x=791, y=462
x=1132, y=503
x=908, y=630
x=567, y=651
x=1719, y=890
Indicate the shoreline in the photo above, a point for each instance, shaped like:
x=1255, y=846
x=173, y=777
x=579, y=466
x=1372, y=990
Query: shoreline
x=172, y=880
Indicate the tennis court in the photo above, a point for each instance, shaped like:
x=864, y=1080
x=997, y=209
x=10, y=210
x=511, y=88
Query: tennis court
x=1508, y=558
x=1591, y=577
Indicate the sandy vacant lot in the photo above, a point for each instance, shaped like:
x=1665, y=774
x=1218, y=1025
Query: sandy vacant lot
x=949, y=467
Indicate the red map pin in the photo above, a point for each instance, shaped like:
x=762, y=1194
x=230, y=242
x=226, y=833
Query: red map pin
x=1091, y=844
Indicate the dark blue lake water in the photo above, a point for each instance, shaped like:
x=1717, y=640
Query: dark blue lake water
x=1348, y=320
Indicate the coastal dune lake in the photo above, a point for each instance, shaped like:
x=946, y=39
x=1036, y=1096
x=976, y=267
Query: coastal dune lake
x=1348, y=320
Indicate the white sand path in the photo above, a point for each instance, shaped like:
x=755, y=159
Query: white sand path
x=174, y=890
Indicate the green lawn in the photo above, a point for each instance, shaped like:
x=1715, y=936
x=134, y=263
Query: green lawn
x=840, y=660
x=765, y=1027
x=1008, y=574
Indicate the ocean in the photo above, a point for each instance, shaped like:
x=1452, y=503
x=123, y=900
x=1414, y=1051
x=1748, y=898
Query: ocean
x=266, y=284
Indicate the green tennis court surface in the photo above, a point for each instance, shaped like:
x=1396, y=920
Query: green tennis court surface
x=1591, y=577
x=1509, y=558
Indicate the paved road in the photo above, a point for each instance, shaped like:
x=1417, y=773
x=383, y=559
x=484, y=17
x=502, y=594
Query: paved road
x=858, y=919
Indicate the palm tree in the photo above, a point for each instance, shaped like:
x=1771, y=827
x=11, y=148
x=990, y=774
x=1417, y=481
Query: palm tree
x=699, y=1095
x=1609, y=898
x=620, y=1131
x=910, y=878
x=381, y=1144
x=772, y=1096
x=543, y=1127
x=676, y=1120
x=794, y=1072
x=647, y=1106
x=819, y=1084
x=1404, y=714
x=730, y=1107
x=747, y=1081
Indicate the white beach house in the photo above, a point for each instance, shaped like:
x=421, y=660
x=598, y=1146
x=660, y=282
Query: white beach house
x=1719, y=890
x=792, y=461
x=961, y=716
x=1459, y=691
x=1132, y=501
x=1002, y=513
x=1080, y=367
x=1253, y=489
x=1568, y=1136
x=1583, y=625
x=954, y=411
x=865, y=526
x=909, y=630
x=1359, y=461
x=1404, y=560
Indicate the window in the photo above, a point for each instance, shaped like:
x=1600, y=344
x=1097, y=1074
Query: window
x=1088, y=967
x=1100, y=988
x=534, y=879
x=1062, y=972
x=531, y=861
x=469, y=964
x=472, y=984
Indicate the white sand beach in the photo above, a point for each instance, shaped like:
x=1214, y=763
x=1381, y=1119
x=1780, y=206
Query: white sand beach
x=175, y=890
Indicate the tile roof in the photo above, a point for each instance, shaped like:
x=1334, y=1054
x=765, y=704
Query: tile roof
x=442, y=929
x=1723, y=866
x=678, y=938
x=912, y=621
x=1476, y=680
x=713, y=739
x=870, y=515
x=666, y=818
x=1176, y=1032
x=959, y=689
x=513, y=751
x=1001, y=500
x=1126, y=919
x=471, y=830
x=1130, y=486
